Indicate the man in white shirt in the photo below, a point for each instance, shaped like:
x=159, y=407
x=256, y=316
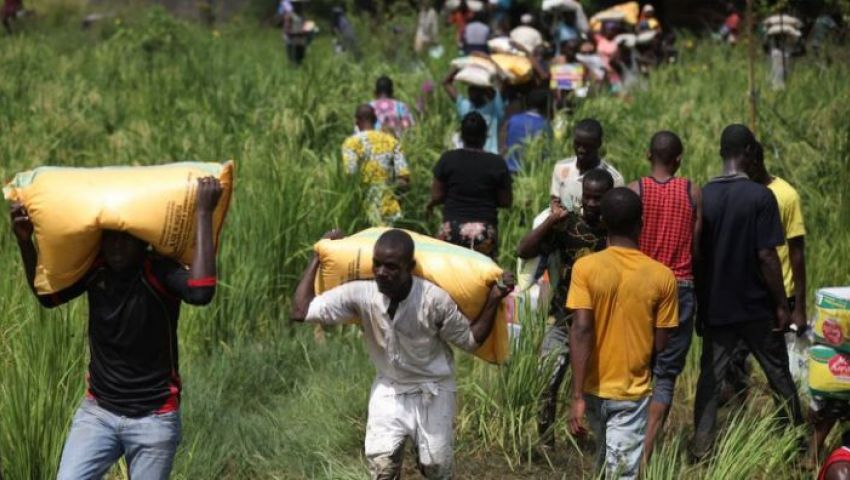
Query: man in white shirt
x=408, y=325
x=567, y=174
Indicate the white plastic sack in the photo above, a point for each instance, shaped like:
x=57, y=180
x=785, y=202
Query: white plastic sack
x=527, y=36
x=562, y=5
x=502, y=45
x=783, y=19
x=475, y=75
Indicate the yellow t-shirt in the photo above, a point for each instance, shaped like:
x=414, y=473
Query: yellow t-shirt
x=631, y=295
x=791, y=215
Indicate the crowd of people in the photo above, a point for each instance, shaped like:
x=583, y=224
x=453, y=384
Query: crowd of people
x=635, y=269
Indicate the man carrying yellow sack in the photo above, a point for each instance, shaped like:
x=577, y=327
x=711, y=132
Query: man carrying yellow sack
x=132, y=403
x=408, y=324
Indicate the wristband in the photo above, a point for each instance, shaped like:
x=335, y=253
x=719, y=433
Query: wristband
x=202, y=282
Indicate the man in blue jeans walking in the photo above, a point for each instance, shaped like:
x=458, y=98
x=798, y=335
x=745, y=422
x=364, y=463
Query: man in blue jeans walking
x=132, y=403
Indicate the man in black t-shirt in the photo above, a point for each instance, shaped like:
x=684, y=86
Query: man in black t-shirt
x=740, y=292
x=131, y=406
x=572, y=236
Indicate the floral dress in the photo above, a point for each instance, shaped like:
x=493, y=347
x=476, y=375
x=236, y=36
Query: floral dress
x=380, y=161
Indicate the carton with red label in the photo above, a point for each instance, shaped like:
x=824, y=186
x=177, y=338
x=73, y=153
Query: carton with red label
x=832, y=318
x=829, y=372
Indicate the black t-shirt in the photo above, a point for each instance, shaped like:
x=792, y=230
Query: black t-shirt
x=134, y=368
x=572, y=239
x=740, y=217
x=472, y=179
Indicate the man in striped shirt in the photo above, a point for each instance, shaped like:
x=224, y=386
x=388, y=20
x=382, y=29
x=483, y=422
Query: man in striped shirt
x=672, y=218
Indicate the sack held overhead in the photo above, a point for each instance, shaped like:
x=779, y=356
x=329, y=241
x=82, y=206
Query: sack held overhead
x=70, y=207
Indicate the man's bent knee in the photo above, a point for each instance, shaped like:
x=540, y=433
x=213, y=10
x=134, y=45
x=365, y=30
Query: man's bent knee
x=386, y=466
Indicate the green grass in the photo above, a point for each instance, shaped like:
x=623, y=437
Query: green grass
x=262, y=400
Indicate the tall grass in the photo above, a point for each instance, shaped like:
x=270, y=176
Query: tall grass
x=262, y=400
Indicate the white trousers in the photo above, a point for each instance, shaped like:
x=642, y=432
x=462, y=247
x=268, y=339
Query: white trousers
x=425, y=414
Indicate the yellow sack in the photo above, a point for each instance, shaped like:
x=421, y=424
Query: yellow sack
x=69, y=208
x=832, y=317
x=518, y=68
x=465, y=275
x=627, y=12
x=829, y=372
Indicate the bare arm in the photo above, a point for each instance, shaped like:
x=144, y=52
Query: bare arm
x=771, y=270
x=581, y=338
x=203, y=264
x=503, y=139
x=305, y=291
x=696, y=195
x=797, y=255
x=662, y=336
x=438, y=196
x=635, y=187
x=403, y=183
x=483, y=324
x=449, y=85
x=529, y=246
x=22, y=228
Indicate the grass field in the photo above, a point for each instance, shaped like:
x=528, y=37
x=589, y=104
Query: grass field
x=262, y=399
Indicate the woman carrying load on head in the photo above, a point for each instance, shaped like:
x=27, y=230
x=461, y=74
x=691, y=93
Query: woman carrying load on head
x=471, y=185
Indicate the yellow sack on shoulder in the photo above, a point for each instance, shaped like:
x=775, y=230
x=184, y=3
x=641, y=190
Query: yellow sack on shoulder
x=465, y=275
x=69, y=207
x=518, y=68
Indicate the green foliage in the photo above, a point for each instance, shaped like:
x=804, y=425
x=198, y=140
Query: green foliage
x=263, y=400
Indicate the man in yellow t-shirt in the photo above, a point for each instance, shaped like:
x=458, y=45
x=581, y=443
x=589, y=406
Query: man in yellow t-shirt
x=379, y=159
x=625, y=304
x=792, y=253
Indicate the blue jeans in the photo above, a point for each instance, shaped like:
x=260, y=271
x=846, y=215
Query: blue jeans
x=98, y=438
x=619, y=428
x=556, y=349
x=671, y=361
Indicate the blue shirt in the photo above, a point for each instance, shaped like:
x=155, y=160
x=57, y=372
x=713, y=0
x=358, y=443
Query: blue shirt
x=521, y=128
x=492, y=111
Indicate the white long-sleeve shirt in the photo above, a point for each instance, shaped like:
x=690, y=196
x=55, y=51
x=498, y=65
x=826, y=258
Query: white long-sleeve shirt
x=410, y=349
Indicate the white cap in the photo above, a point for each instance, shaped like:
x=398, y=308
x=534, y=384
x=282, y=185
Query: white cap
x=475, y=5
x=648, y=8
x=526, y=18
